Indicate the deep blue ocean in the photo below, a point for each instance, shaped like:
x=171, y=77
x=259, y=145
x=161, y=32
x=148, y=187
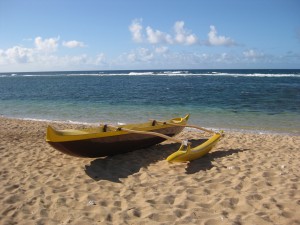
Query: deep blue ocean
x=251, y=100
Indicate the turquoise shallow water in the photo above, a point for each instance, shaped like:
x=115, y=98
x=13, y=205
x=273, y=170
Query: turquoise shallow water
x=251, y=100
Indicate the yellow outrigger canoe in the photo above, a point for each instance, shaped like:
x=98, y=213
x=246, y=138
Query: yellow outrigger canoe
x=108, y=140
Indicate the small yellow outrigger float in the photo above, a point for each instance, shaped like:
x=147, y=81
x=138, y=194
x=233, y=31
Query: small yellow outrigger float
x=108, y=140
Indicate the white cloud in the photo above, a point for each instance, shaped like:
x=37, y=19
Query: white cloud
x=43, y=56
x=215, y=40
x=135, y=57
x=131, y=57
x=17, y=54
x=73, y=44
x=182, y=36
x=156, y=36
x=22, y=55
x=47, y=45
x=253, y=55
x=136, y=30
x=100, y=59
x=142, y=55
x=191, y=39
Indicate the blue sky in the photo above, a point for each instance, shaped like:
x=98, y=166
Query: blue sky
x=40, y=35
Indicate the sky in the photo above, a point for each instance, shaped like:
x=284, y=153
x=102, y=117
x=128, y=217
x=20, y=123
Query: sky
x=56, y=35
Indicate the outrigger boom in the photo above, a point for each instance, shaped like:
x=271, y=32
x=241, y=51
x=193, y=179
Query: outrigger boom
x=185, y=152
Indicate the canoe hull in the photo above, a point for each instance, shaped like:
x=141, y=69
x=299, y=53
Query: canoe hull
x=112, y=145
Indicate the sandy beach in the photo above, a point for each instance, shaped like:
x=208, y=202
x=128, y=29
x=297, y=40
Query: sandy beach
x=246, y=179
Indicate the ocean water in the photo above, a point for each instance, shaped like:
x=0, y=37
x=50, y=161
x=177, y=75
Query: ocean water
x=251, y=100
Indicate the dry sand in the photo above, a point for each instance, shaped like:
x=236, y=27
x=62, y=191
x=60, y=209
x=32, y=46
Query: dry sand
x=246, y=179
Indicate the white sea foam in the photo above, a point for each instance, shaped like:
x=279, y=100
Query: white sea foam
x=34, y=75
x=57, y=121
x=84, y=74
x=141, y=73
x=175, y=72
x=152, y=73
x=246, y=75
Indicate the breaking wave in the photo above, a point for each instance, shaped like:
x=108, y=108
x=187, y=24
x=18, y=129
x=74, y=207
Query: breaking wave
x=224, y=73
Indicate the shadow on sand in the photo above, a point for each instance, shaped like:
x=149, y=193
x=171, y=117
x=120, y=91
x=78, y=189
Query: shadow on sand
x=113, y=168
x=205, y=163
